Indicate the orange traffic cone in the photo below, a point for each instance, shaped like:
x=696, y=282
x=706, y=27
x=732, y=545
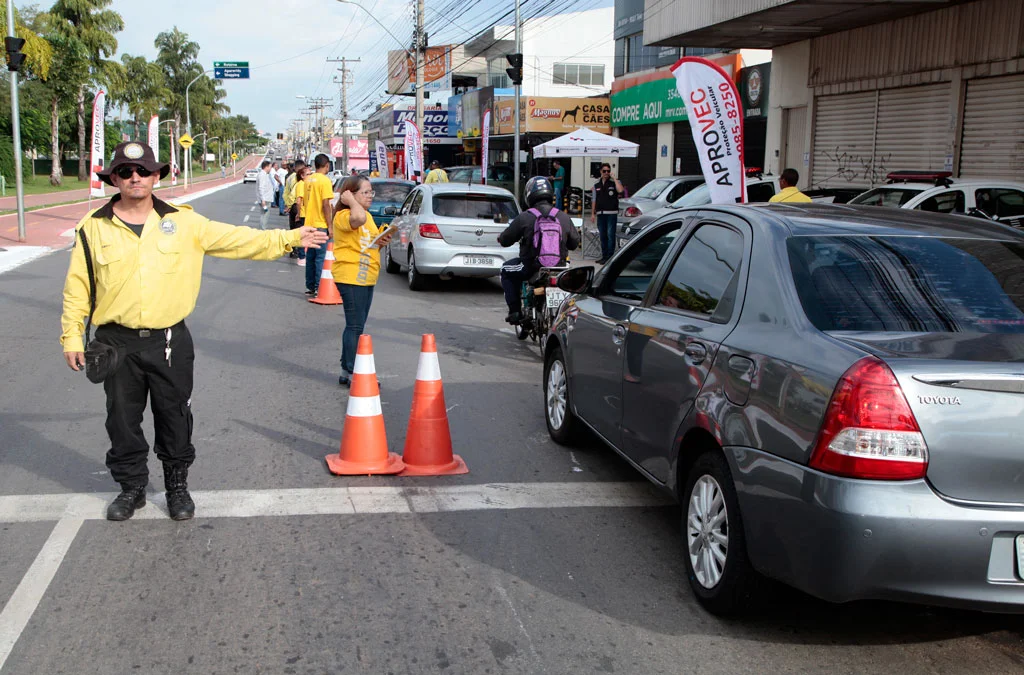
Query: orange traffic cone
x=327, y=293
x=364, y=445
x=428, y=441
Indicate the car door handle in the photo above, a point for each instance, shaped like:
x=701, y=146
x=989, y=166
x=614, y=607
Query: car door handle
x=696, y=351
x=619, y=334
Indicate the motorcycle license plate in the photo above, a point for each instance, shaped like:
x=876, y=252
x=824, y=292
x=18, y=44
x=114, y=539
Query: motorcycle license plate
x=555, y=296
x=478, y=261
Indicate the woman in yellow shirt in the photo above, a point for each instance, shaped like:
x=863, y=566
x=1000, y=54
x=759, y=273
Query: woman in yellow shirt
x=299, y=195
x=356, y=263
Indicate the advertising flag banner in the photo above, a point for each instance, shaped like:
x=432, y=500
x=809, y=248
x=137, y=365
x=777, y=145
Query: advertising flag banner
x=382, y=160
x=716, y=119
x=174, y=158
x=413, y=153
x=154, y=139
x=485, y=146
x=96, y=162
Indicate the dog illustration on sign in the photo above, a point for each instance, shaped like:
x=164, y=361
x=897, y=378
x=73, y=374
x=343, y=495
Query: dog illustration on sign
x=571, y=113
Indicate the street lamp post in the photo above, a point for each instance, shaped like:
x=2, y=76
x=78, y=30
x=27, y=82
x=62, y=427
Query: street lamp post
x=188, y=124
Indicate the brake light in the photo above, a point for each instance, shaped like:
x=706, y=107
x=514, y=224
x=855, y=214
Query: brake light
x=553, y=281
x=632, y=212
x=869, y=429
x=430, y=231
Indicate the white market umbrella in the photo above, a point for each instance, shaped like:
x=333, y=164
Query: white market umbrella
x=586, y=143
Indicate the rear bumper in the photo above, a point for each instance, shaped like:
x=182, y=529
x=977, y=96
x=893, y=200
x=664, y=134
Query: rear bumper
x=439, y=257
x=842, y=539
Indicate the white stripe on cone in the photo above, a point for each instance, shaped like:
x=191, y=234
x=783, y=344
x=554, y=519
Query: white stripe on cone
x=429, y=370
x=326, y=274
x=364, y=365
x=330, y=255
x=363, y=406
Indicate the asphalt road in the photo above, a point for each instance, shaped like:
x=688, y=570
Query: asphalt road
x=540, y=560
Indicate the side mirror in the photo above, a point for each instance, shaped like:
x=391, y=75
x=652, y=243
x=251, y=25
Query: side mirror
x=390, y=210
x=576, y=280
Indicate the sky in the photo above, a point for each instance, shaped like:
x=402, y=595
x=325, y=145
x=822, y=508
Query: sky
x=287, y=42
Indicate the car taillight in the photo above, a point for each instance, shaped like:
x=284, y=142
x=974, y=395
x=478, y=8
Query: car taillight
x=869, y=429
x=553, y=281
x=631, y=212
x=430, y=231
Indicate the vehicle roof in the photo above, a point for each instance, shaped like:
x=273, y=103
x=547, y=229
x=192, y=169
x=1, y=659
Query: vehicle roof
x=397, y=181
x=465, y=188
x=845, y=219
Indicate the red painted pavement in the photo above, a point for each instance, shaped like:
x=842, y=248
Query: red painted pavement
x=45, y=226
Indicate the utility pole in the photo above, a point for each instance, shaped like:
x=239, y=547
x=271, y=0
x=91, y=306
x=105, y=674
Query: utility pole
x=420, y=47
x=344, y=108
x=317, y=106
x=16, y=132
x=519, y=89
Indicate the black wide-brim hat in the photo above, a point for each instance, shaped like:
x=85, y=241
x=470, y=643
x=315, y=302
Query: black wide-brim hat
x=133, y=153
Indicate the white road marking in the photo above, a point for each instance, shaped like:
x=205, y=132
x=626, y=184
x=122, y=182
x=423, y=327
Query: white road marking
x=575, y=462
x=252, y=208
x=246, y=219
x=343, y=500
x=16, y=256
x=538, y=664
x=30, y=591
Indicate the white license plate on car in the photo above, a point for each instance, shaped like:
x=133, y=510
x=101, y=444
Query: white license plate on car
x=1020, y=556
x=555, y=297
x=477, y=261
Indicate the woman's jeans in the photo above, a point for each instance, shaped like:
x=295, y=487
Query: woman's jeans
x=356, y=303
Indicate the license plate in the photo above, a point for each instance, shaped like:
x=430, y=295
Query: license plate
x=1020, y=556
x=555, y=297
x=478, y=260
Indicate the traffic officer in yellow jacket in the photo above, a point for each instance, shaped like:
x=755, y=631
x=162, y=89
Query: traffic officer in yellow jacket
x=147, y=258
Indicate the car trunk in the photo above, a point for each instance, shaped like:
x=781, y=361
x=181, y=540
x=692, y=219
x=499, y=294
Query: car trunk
x=966, y=391
x=468, y=220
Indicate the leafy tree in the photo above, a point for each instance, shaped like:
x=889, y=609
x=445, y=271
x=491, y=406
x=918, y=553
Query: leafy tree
x=140, y=88
x=178, y=57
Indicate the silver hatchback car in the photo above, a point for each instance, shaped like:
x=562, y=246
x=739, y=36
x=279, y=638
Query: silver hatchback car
x=448, y=229
x=835, y=394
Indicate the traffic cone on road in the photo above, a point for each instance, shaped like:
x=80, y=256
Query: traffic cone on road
x=327, y=293
x=428, y=441
x=364, y=444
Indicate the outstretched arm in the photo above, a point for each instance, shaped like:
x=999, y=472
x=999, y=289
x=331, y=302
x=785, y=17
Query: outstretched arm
x=233, y=241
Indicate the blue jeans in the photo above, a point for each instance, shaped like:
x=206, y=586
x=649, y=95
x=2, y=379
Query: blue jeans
x=279, y=198
x=356, y=303
x=558, y=199
x=314, y=266
x=606, y=224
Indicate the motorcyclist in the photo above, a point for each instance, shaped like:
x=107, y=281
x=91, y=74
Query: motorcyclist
x=539, y=195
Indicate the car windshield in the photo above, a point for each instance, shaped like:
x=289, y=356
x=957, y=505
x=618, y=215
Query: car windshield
x=653, y=189
x=887, y=196
x=474, y=206
x=909, y=284
x=394, y=193
x=464, y=175
x=698, y=196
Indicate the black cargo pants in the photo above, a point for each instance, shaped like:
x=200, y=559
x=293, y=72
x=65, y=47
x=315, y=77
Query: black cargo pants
x=168, y=386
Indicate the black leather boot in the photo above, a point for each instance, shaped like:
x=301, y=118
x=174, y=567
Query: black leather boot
x=123, y=507
x=179, y=501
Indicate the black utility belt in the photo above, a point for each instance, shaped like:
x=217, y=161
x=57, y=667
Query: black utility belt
x=116, y=329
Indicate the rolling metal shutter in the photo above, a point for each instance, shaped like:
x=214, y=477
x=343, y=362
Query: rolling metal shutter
x=684, y=151
x=992, y=145
x=913, y=130
x=635, y=173
x=844, y=131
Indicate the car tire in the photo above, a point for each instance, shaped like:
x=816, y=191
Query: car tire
x=417, y=281
x=708, y=496
x=390, y=266
x=563, y=425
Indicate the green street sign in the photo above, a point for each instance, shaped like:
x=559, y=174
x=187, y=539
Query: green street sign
x=230, y=64
x=650, y=102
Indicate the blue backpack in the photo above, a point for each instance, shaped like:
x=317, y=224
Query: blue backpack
x=547, y=238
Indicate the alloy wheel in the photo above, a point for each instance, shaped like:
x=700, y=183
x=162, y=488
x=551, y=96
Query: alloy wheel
x=556, y=403
x=707, y=531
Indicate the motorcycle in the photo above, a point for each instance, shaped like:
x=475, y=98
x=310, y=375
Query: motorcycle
x=541, y=301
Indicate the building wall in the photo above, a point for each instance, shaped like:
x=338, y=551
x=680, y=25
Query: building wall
x=788, y=89
x=545, y=43
x=664, y=20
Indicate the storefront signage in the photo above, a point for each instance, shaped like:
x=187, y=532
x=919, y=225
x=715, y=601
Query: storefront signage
x=437, y=70
x=651, y=102
x=544, y=114
x=753, y=83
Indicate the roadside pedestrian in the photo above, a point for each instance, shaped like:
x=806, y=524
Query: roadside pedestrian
x=223, y=171
x=289, y=201
x=558, y=181
x=604, y=210
x=282, y=176
x=301, y=182
x=356, y=264
x=264, y=192
x=319, y=198
x=790, y=192
x=136, y=270
x=436, y=173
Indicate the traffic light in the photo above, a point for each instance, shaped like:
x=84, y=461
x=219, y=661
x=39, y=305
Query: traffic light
x=515, y=73
x=15, y=57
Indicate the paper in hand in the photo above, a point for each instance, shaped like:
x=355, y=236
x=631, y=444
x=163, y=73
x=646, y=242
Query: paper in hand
x=383, y=232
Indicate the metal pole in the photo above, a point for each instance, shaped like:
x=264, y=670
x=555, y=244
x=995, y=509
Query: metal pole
x=16, y=132
x=420, y=40
x=519, y=88
x=188, y=126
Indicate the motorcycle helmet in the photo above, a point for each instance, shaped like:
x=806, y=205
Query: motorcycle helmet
x=538, y=189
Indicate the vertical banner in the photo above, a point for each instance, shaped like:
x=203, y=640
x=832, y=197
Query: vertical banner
x=382, y=160
x=715, y=112
x=413, y=152
x=174, y=157
x=154, y=139
x=98, y=132
x=485, y=147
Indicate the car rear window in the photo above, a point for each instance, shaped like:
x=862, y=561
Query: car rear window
x=390, y=192
x=909, y=284
x=653, y=189
x=474, y=206
x=886, y=196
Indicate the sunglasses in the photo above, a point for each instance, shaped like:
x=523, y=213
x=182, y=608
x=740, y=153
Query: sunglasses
x=125, y=172
x=605, y=170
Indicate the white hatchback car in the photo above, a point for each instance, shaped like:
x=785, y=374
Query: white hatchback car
x=937, y=192
x=251, y=175
x=450, y=229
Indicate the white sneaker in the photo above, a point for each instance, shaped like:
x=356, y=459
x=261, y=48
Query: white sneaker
x=301, y=262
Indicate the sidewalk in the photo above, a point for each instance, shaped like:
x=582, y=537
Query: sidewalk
x=47, y=227
x=47, y=198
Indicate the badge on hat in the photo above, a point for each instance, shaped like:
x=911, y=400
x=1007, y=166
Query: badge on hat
x=168, y=226
x=133, y=151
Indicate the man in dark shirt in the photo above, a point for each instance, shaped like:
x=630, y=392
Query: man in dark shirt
x=539, y=194
x=604, y=210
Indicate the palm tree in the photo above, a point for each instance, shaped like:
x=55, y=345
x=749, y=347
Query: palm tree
x=178, y=57
x=92, y=24
x=69, y=71
x=140, y=89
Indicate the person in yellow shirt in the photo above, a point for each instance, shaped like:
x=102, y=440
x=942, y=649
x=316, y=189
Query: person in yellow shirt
x=319, y=202
x=135, y=271
x=301, y=181
x=436, y=173
x=356, y=264
x=790, y=192
x=289, y=198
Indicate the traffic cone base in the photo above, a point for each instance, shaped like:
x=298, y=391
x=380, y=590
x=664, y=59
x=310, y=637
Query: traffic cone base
x=327, y=293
